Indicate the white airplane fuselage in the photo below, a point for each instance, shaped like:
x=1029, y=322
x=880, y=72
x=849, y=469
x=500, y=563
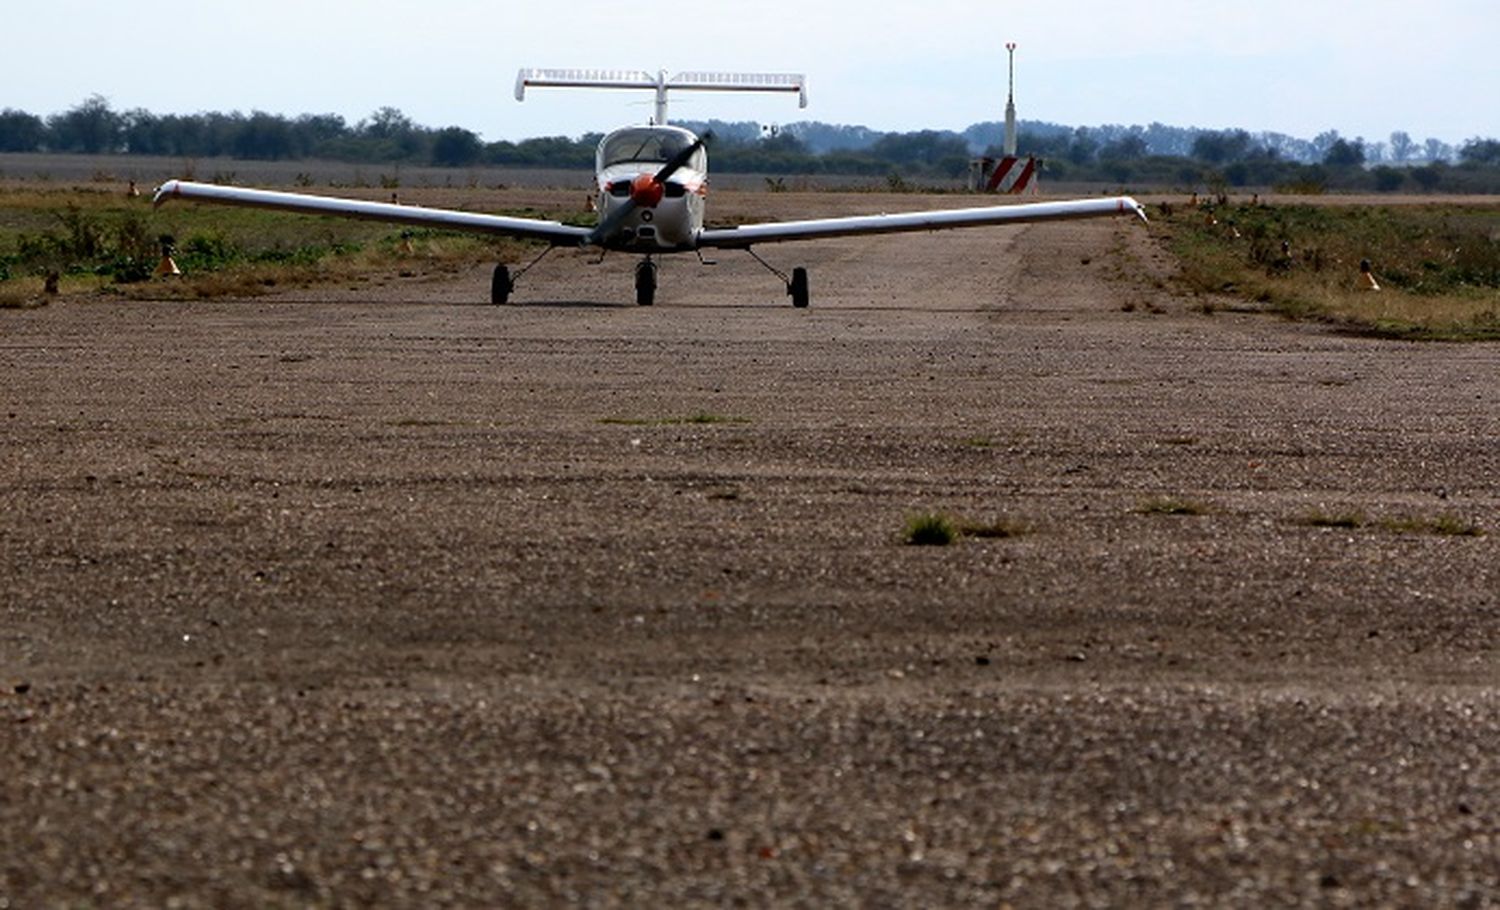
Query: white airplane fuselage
x=665, y=216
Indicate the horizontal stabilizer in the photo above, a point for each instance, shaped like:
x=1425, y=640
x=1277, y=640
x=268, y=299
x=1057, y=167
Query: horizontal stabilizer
x=661, y=84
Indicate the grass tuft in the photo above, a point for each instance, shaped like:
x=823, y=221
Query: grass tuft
x=930, y=529
x=1439, y=525
x=1321, y=519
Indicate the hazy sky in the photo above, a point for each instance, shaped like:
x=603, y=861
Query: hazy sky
x=1292, y=66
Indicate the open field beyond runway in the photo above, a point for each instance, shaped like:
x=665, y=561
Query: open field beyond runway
x=381, y=595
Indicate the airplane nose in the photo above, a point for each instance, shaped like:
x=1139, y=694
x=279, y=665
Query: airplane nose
x=646, y=191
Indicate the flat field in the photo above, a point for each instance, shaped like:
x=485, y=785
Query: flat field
x=380, y=595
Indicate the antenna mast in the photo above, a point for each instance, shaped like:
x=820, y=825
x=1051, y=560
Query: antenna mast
x=1010, y=103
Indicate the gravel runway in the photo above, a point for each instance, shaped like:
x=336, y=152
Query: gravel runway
x=381, y=596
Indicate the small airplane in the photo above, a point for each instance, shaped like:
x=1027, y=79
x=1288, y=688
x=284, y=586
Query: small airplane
x=653, y=186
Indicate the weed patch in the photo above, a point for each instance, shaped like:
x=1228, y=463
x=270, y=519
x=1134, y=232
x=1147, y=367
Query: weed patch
x=930, y=529
x=1438, y=266
x=1445, y=525
x=116, y=242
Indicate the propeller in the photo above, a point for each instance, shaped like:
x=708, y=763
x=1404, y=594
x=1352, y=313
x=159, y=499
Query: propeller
x=646, y=190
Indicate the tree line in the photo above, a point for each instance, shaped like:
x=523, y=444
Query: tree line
x=1154, y=155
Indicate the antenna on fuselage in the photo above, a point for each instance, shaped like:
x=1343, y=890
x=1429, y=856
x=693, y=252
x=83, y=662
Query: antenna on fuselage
x=661, y=84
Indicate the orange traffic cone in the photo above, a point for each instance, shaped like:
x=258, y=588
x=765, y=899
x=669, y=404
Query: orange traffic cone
x=167, y=268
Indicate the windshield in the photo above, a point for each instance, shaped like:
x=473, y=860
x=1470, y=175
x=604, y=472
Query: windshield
x=647, y=144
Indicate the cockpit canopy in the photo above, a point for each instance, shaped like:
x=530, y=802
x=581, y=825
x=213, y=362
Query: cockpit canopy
x=648, y=145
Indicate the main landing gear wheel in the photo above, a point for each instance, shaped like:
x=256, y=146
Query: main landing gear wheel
x=645, y=282
x=500, y=286
x=797, y=288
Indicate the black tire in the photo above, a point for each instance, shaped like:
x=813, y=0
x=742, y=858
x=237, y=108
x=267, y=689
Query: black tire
x=645, y=283
x=500, y=286
x=797, y=288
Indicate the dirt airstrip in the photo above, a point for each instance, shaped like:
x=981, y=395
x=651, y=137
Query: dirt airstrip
x=384, y=596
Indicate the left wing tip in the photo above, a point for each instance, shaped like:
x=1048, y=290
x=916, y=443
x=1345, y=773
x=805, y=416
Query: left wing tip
x=163, y=193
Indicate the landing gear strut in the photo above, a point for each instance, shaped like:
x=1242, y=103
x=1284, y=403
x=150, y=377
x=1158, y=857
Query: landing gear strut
x=796, y=283
x=502, y=282
x=645, y=282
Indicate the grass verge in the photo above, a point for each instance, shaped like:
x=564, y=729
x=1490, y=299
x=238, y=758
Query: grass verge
x=101, y=242
x=1438, y=266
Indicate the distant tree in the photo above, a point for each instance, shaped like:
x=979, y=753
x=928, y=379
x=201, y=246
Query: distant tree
x=148, y=134
x=1428, y=178
x=1480, y=151
x=386, y=123
x=740, y=132
x=1402, y=147
x=545, y=151
x=1048, y=144
x=822, y=137
x=90, y=127
x=1288, y=147
x=141, y=131
x=311, y=131
x=398, y=137
x=1168, y=140
x=923, y=149
x=1437, y=150
x=1083, y=147
x=1125, y=148
x=265, y=137
x=1345, y=153
x=1223, y=147
x=1388, y=179
x=781, y=142
x=456, y=147
x=1324, y=141
x=20, y=131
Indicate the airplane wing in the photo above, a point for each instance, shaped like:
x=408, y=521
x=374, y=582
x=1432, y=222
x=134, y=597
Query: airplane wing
x=943, y=219
x=554, y=232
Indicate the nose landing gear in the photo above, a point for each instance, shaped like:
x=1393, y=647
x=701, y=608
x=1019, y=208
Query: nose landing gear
x=645, y=282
